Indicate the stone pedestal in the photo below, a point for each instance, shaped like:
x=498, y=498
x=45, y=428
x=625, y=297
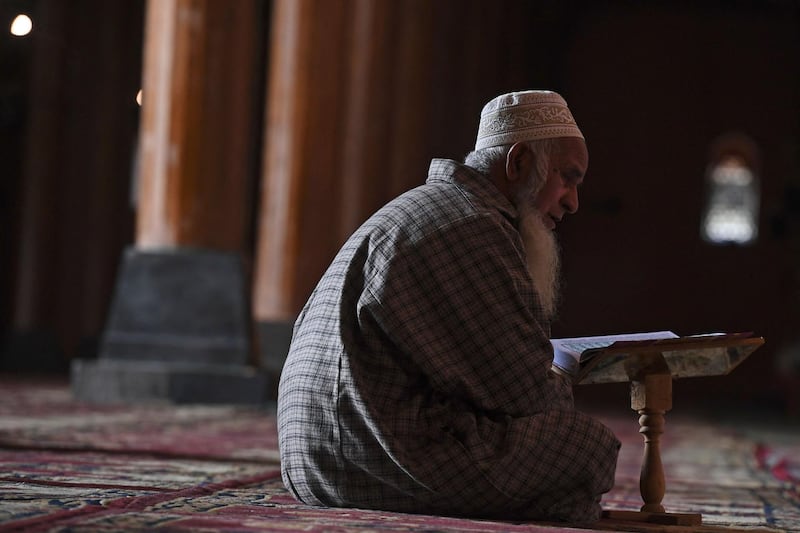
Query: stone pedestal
x=178, y=331
x=110, y=381
x=274, y=339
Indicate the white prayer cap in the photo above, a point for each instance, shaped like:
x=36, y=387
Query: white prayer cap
x=525, y=116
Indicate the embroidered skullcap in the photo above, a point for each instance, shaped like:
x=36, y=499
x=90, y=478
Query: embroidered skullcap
x=525, y=116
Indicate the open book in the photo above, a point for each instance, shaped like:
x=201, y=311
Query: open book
x=579, y=356
x=570, y=353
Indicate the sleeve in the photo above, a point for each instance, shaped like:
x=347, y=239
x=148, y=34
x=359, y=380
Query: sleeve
x=460, y=303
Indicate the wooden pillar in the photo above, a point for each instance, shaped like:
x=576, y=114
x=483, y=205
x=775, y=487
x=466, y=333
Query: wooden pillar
x=297, y=232
x=349, y=89
x=196, y=124
x=301, y=140
x=369, y=101
x=179, y=324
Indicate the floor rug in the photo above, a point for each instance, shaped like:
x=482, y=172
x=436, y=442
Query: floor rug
x=66, y=466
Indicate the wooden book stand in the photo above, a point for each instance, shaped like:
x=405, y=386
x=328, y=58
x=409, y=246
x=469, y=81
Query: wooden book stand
x=650, y=368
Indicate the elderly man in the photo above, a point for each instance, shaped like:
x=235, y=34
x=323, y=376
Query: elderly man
x=419, y=375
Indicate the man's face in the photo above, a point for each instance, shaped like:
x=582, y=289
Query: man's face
x=559, y=194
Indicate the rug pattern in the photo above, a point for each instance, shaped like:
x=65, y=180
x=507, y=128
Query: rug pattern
x=66, y=466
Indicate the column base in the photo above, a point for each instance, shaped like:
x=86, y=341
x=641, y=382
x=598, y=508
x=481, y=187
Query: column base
x=178, y=332
x=273, y=339
x=109, y=381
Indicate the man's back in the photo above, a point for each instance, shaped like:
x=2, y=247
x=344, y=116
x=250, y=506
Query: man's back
x=418, y=377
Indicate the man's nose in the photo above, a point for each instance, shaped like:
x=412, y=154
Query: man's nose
x=570, y=200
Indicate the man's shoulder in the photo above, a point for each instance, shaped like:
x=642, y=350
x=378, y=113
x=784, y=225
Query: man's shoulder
x=451, y=189
x=454, y=200
x=459, y=175
x=431, y=207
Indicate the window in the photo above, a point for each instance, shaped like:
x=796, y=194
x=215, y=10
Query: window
x=733, y=197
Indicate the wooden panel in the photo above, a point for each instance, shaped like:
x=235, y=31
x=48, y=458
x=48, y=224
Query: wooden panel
x=75, y=215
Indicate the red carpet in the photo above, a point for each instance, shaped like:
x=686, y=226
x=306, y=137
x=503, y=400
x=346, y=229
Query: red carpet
x=71, y=467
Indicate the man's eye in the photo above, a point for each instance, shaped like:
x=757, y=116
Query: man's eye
x=571, y=179
x=568, y=179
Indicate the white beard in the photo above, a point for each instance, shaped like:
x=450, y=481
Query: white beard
x=543, y=257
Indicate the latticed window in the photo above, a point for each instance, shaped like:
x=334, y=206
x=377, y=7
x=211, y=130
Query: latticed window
x=733, y=198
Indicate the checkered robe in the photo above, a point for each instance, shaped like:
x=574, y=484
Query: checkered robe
x=418, y=378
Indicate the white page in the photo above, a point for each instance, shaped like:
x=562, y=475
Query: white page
x=568, y=351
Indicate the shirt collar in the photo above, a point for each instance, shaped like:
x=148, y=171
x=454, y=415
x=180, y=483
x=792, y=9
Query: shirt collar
x=472, y=182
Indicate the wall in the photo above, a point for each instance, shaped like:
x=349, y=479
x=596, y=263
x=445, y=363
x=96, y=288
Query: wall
x=71, y=176
x=653, y=87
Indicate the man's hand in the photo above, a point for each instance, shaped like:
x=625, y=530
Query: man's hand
x=560, y=373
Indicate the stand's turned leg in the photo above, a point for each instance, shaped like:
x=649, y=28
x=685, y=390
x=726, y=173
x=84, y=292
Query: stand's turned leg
x=651, y=398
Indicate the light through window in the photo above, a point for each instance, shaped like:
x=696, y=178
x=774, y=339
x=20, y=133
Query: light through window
x=731, y=214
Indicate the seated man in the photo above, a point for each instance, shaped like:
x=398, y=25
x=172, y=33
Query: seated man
x=419, y=375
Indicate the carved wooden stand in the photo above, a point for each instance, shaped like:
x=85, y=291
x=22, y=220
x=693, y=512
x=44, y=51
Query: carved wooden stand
x=650, y=367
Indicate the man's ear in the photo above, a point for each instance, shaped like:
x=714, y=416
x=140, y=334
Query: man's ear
x=519, y=162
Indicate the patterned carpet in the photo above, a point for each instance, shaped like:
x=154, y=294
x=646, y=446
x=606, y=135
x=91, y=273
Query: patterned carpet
x=71, y=467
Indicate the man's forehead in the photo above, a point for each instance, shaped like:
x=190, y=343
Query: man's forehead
x=572, y=150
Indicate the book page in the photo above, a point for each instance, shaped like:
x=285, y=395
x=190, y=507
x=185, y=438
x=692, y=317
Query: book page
x=569, y=353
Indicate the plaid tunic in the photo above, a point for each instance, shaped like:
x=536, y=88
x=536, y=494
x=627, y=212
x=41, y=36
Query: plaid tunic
x=418, y=378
